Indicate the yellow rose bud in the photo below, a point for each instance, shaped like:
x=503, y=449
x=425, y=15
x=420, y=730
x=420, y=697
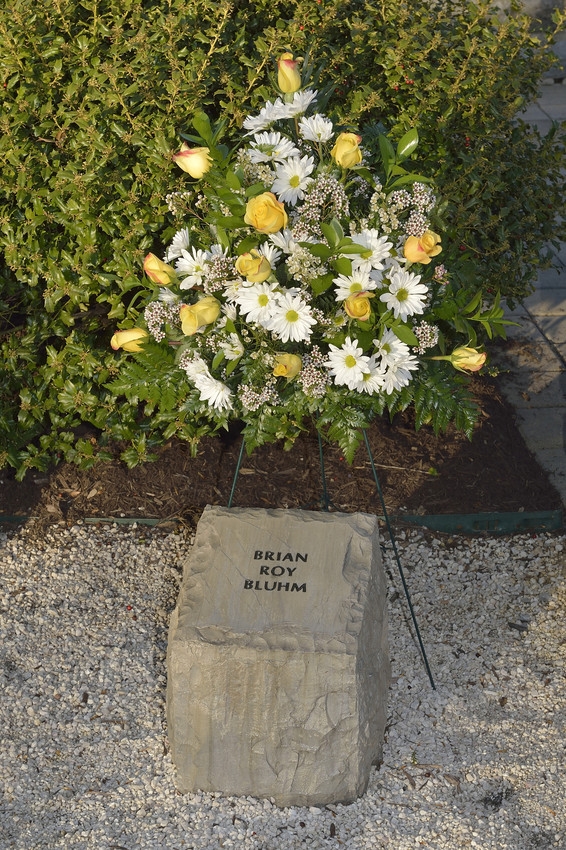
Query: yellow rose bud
x=288, y=77
x=357, y=305
x=254, y=266
x=287, y=365
x=346, y=151
x=420, y=249
x=195, y=161
x=467, y=359
x=195, y=316
x=130, y=340
x=265, y=213
x=159, y=272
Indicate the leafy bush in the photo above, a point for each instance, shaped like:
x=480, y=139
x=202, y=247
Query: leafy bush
x=94, y=96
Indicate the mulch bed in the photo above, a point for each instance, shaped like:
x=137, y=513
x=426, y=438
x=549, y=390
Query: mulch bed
x=419, y=472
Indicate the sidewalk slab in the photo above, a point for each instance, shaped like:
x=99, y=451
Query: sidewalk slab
x=547, y=302
x=553, y=326
x=543, y=429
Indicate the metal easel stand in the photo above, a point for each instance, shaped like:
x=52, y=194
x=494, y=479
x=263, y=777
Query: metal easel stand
x=326, y=504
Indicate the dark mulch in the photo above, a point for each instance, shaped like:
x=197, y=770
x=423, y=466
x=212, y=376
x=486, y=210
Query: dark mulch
x=419, y=473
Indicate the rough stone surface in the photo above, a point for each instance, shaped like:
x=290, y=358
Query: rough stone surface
x=278, y=663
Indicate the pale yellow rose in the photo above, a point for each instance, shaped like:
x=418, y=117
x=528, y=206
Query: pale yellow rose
x=357, y=305
x=195, y=161
x=287, y=365
x=288, y=77
x=158, y=271
x=465, y=359
x=130, y=340
x=420, y=249
x=265, y=213
x=195, y=316
x=254, y=266
x=346, y=151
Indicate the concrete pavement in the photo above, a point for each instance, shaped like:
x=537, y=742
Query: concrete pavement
x=536, y=381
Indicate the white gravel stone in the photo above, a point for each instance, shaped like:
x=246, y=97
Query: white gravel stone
x=476, y=763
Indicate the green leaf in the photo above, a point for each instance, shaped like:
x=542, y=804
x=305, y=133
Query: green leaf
x=407, y=144
x=405, y=334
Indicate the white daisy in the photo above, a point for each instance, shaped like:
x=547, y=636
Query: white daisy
x=398, y=376
x=358, y=281
x=271, y=254
x=271, y=147
x=372, y=381
x=291, y=318
x=191, y=266
x=292, y=179
x=379, y=246
x=316, y=128
x=284, y=240
x=256, y=302
x=348, y=364
x=267, y=115
x=405, y=296
x=196, y=369
x=390, y=349
x=232, y=347
x=217, y=394
x=179, y=243
x=300, y=103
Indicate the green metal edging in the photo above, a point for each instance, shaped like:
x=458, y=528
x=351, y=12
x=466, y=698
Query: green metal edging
x=492, y=523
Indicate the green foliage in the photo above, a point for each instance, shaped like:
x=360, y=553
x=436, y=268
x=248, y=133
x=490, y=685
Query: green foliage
x=94, y=97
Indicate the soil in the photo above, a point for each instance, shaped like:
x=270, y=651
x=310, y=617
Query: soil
x=419, y=473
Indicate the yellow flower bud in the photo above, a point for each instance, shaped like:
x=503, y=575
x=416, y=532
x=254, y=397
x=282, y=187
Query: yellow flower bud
x=466, y=359
x=130, y=340
x=195, y=316
x=357, y=305
x=195, y=161
x=288, y=77
x=420, y=249
x=158, y=271
x=265, y=213
x=346, y=151
x=254, y=266
x=287, y=365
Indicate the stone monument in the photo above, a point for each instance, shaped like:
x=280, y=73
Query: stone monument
x=278, y=663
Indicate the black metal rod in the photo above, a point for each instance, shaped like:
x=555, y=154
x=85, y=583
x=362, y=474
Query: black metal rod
x=398, y=560
x=237, y=472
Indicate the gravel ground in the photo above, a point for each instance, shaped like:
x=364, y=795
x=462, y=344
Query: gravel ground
x=84, y=763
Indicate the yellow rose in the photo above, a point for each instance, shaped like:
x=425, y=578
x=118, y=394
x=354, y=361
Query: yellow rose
x=266, y=213
x=254, y=266
x=346, y=151
x=195, y=316
x=357, y=306
x=287, y=365
x=465, y=359
x=420, y=249
x=129, y=340
x=159, y=272
x=288, y=77
x=195, y=161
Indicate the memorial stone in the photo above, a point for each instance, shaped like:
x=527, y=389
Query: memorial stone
x=278, y=662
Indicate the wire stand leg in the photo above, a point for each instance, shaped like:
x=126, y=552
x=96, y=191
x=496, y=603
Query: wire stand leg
x=237, y=472
x=398, y=560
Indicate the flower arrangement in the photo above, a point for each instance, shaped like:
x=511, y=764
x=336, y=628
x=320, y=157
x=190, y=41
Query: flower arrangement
x=305, y=283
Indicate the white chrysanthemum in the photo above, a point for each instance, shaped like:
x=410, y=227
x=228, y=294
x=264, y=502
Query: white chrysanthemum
x=179, y=243
x=291, y=318
x=379, y=246
x=196, y=369
x=316, y=128
x=271, y=147
x=390, y=349
x=372, y=381
x=229, y=312
x=267, y=115
x=398, y=376
x=271, y=254
x=292, y=179
x=191, y=266
x=405, y=296
x=232, y=347
x=348, y=364
x=256, y=302
x=300, y=103
x=358, y=281
x=284, y=240
x=217, y=394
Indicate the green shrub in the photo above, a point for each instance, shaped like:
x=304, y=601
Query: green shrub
x=94, y=96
